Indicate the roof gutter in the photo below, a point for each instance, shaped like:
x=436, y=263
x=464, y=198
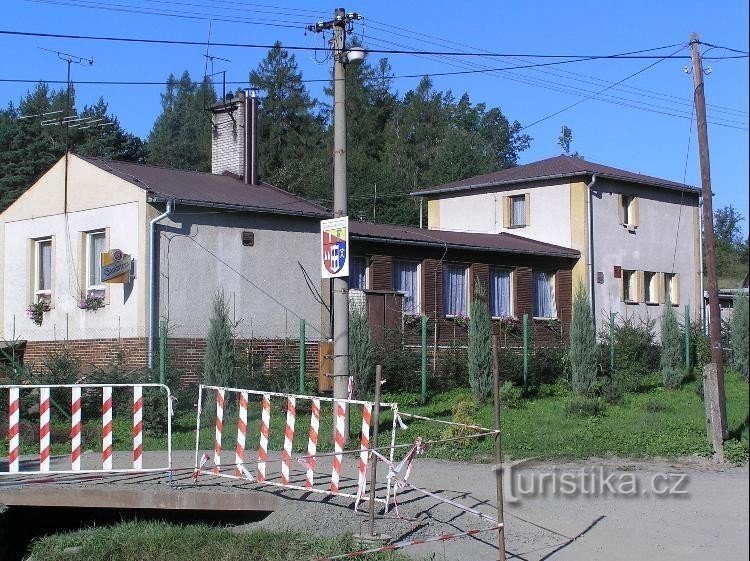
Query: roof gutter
x=244, y=208
x=440, y=244
x=152, y=264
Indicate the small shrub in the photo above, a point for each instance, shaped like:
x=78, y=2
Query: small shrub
x=218, y=362
x=510, y=396
x=672, y=377
x=671, y=348
x=636, y=355
x=480, y=345
x=463, y=412
x=611, y=389
x=653, y=406
x=739, y=335
x=585, y=407
x=360, y=353
x=453, y=367
x=736, y=451
x=583, y=351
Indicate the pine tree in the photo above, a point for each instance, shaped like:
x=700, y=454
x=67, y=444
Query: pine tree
x=480, y=344
x=218, y=362
x=739, y=334
x=583, y=360
x=360, y=351
x=671, y=348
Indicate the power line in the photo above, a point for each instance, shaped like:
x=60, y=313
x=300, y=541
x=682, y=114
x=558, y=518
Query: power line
x=618, y=56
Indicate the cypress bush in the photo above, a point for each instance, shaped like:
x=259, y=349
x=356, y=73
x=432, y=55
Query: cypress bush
x=671, y=348
x=583, y=350
x=360, y=352
x=739, y=334
x=218, y=363
x=480, y=345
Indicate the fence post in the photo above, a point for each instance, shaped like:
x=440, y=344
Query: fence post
x=302, y=346
x=687, y=336
x=374, y=446
x=611, y=342
x=162, y=351
x=424, y=359
x=525, y=349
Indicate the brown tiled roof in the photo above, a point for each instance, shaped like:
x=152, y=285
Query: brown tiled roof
x=551, y=168
x=206, y=189
x=495, y=243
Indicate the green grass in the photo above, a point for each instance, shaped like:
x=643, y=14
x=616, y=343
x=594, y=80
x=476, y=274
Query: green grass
x=160, y=541
x=652, y=422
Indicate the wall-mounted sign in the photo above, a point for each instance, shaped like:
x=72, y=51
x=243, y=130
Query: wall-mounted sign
x=115, y=266
x=335, y=247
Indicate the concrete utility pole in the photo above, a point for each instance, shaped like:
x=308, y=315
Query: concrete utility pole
x=714, y=377
x=341, y=20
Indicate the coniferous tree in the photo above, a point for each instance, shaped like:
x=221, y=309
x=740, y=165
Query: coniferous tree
x=671, y=348
x=583, y=361
x=480, y=344
x=739, y=327
x=218, y=362
x=360, y=351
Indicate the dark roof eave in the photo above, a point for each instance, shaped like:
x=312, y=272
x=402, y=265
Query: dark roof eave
x=159, y=198
x=365, y=238
x=442, y=190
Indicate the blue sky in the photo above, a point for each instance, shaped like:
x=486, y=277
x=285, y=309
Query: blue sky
x=613, y=133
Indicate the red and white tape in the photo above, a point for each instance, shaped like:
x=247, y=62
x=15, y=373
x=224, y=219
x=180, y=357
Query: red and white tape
x=408, y=543
x=137, y=427
x=219, y=429
x=312, y=443
x=286, y=453
x=75, y=429
x=265, y=422
x=239, y=451
x=107, y=427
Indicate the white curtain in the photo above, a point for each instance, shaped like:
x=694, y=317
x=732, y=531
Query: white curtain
x=405, y=281
x=544, y=295
x=518, y=208
x=454, y=290
x=45, y=265
x=358, y=273
x=500, y=293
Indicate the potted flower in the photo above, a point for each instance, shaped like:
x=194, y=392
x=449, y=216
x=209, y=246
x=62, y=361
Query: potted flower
x=91, y=301
x=36, y=311
x=412, y=320
x=461, y=320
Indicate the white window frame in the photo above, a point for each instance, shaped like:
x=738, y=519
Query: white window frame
x=512, y=199
x=466, y=289
x=510, y=295
x=554, y=294
x=93, y=261
x=417, y=289
x=42, y=293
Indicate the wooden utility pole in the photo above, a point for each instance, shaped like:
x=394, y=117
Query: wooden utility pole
x=498, y=452
x=716, y=381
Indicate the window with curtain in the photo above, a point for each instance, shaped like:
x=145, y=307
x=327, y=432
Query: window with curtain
x=518, y=210
x=629, y=292
x=454, y=290
x=43, y=273
x=500, y=295
x=544, y=295
x=406, y=281
x=651, y=286
x=358, y=273
x=97, y=244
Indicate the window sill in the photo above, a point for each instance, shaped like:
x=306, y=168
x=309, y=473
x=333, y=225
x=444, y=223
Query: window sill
x=542, y=318
x=631, y=302
x=514, y=226
x=652, y=303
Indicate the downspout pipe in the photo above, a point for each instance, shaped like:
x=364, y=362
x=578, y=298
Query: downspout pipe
x=152, y=285
x=590, y=253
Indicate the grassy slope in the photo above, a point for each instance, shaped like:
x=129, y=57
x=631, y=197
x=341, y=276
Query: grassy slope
x=159, y=541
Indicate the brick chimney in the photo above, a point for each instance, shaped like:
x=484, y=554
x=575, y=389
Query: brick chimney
x=233, y=141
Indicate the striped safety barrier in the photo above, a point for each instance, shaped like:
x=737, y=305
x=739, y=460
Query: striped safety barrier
x=309, y=460
x=77, y=393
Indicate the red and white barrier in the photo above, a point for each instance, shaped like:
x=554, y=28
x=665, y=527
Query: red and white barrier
x=14, y=444
x=239, y=451
x=106, y=428
x=307, y=461
x=44, y=428
x=76, y=428
x=219, y=429
x=312, y=443
x=265, y=423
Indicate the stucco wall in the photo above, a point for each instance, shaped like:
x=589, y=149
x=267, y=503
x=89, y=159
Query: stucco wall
x=549, y=219
x=201, y=252
x=653, y=246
